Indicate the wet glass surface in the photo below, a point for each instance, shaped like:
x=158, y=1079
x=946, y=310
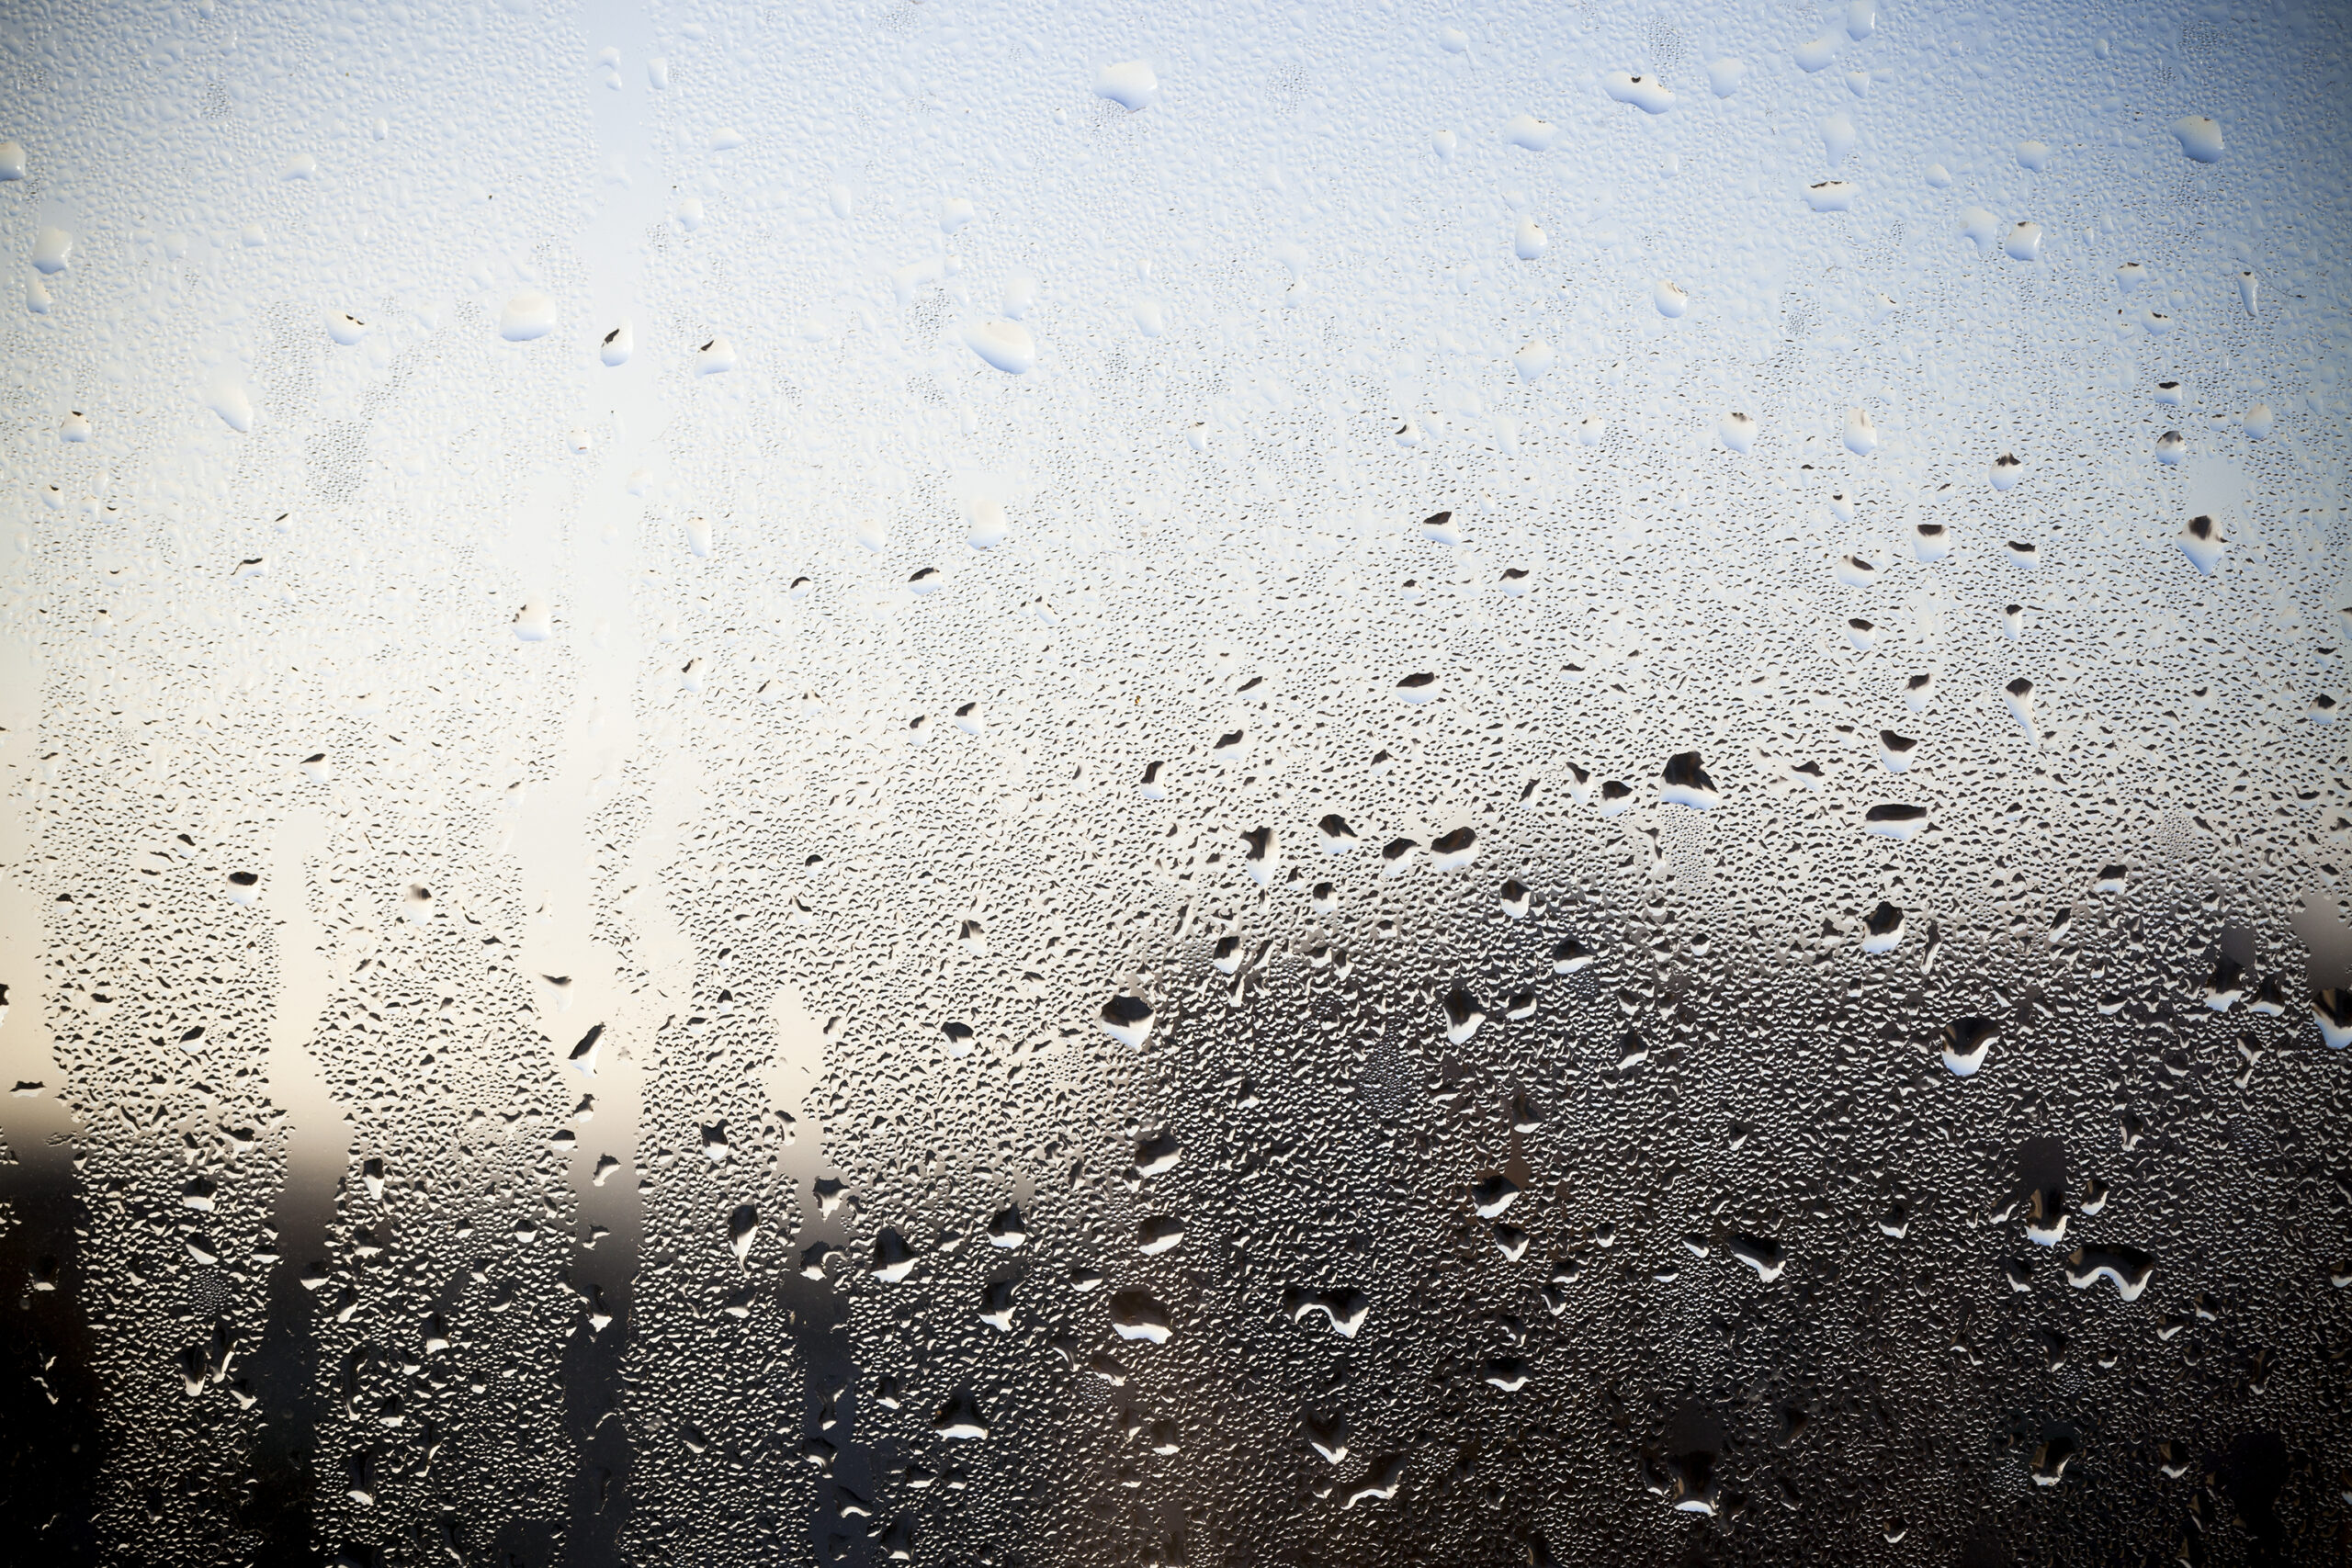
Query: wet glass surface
x=1004, y=784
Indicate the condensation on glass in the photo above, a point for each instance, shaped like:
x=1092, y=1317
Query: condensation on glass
x=993, y=785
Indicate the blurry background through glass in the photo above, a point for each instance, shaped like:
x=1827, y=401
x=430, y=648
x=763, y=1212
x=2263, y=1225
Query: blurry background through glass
x=993, y=785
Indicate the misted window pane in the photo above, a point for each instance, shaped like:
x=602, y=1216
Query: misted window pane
x=1024, y=785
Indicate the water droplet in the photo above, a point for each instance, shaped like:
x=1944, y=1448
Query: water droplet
x=1136, y=1314
x=2331, y=1008
x=1766, y=1257
x=894, y=1261
x=1327, y=1436
x=527, y=316
x=1380, y=1482
x=1526, y=130
x=996, y=1306
x=1646, y=93
x=1006, y=346
x=1451, y=850
x=1508, y=1373
x=1817, y=53
x=959, y=1420
x=1895, y=821
x=1463, y=1017
x=232, y=403
x=1126, y=1019
x=1131, y=84
x=1838, y=137
x=1157, y=1153
x=2201, y=542
x=1159, y=1233
x=2200, y=137
x=1687, y=784
x=715, y=358
x=1965, y=1041
x=1422, y=686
